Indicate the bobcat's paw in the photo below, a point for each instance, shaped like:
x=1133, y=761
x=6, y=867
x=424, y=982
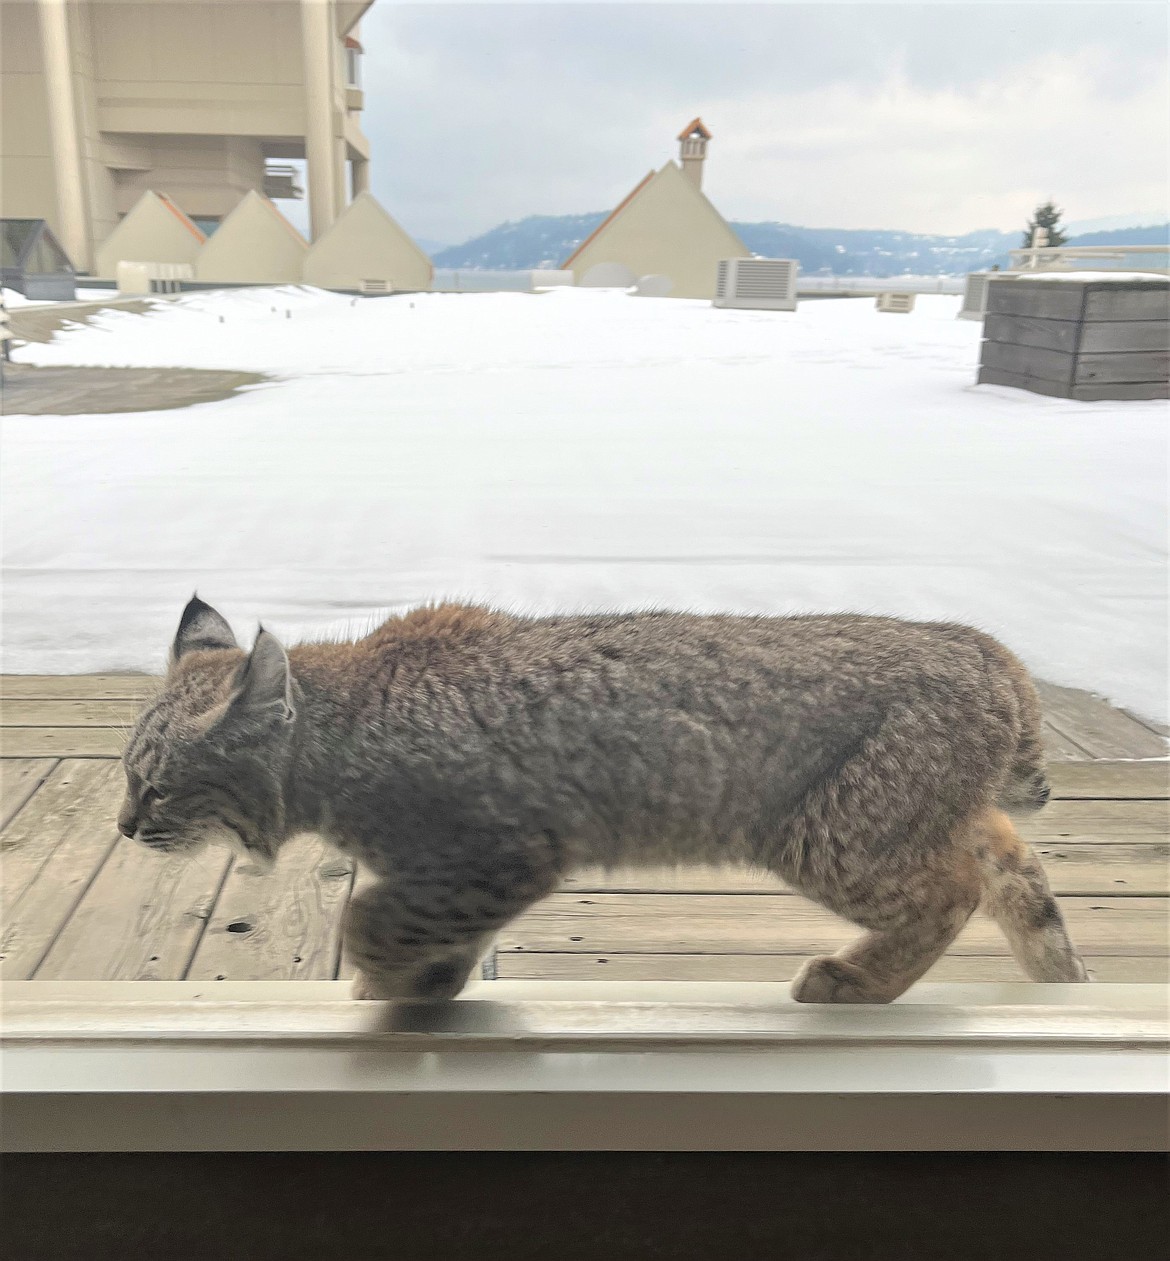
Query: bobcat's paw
x=829, y=980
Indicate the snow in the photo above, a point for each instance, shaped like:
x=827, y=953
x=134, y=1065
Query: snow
x=582, y=450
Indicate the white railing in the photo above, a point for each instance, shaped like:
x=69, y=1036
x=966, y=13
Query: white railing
x=870, y=286
x=1069, y=257
x=474, y=280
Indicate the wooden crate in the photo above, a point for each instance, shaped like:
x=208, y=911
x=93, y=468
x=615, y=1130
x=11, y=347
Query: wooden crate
x=1081, y=339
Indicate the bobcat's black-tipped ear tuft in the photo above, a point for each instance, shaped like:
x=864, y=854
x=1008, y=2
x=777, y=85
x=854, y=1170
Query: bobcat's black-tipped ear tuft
x=264, y=681
x=201, y=629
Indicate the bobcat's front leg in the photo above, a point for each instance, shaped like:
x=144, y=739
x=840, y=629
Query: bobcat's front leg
x=419, y=934
x=403, y=949
x=434, y=982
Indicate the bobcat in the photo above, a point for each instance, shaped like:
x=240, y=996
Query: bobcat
x=469, y=758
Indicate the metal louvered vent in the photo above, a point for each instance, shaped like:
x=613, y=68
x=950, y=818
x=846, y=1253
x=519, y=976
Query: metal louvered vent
x=899, y=303
x=721, y=281
x=376, y=286
x=974, y=296
x=757, y=284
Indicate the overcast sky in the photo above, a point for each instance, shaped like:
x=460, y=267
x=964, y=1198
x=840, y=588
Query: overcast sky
x=929, y=117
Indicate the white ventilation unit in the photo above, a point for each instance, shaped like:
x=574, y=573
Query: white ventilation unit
x=134, y=277
x=896, y=303
x=373, y=288
x=757, y=284
x=975, y=295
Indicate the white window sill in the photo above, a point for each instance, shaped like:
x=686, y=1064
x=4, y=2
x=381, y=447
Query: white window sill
x=522, y=1065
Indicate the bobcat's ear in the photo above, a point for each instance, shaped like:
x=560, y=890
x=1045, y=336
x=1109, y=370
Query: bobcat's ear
x=264, y=681
x=201, y=629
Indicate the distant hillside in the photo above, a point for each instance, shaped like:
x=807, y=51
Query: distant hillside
x=547, y=240
x=1153, y=234
x=538, y=241
x=872, y=252
x=430, y=247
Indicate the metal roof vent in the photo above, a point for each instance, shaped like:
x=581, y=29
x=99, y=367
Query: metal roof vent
x=757, y=284
x=975, y=296
x=900, y=303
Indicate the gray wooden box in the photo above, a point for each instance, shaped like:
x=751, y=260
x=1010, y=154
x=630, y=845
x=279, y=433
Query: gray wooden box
x=1082, y=339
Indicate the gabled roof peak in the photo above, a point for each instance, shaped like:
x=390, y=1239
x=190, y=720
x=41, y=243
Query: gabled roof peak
x=694, y=128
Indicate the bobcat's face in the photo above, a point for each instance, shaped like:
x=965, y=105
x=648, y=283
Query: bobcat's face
x=209, y=760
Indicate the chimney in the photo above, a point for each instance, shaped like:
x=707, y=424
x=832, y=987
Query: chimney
x=692, y=150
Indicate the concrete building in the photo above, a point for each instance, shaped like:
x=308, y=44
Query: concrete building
x=666, y=227
x=105, y=100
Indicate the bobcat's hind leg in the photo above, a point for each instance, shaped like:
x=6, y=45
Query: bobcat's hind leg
x=910, y=924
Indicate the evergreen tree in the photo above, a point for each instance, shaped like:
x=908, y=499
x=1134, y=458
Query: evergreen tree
x=1046, y=216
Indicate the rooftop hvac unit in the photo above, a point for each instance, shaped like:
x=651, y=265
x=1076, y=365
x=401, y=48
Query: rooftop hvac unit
x=757, y=284
x=896, y=303
x=134, y=277
x=975, y=296
x=374, y=287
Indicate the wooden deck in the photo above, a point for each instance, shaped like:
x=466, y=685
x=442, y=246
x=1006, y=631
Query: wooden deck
x=81, y=904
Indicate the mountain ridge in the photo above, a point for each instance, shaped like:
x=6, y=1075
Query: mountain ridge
x=540, y=241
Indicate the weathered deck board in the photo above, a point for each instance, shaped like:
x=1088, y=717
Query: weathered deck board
x=534, y=966
x=78, y=686
x=19, y=779
x=1111, y=867
x=1059, y=748
x=77, y=798
x=140, y=919
x=1103, y=732
x=1088, y=820
x=716, y=923
x=93, y=742
x=1110, y=781
x=282, y=926
x=51, y=853
x=66, y=712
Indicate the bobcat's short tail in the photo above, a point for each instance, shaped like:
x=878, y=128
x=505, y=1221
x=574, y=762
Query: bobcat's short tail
x=1016, y=894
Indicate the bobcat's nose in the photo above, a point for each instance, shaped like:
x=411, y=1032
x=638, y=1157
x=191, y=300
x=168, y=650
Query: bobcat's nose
x=127, y=819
